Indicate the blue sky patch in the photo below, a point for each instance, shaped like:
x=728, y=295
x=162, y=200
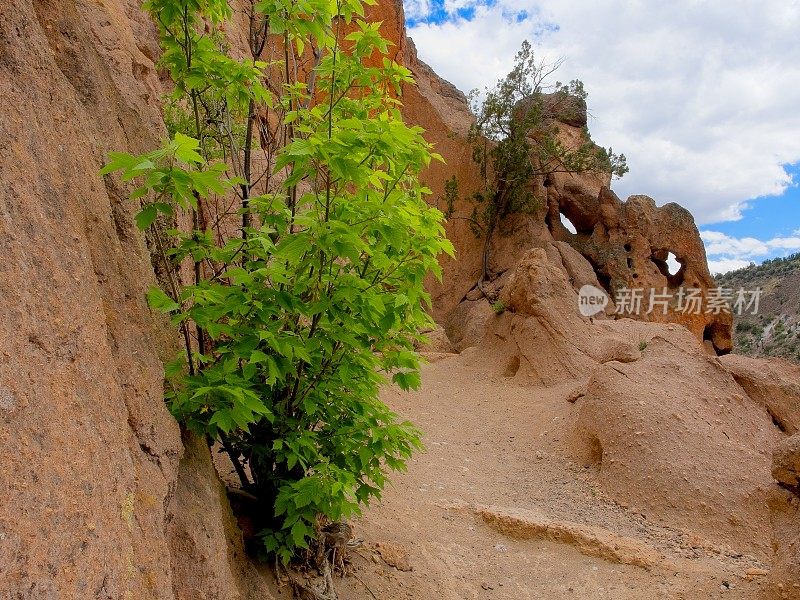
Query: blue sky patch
x=438, y=14
x=768, y=217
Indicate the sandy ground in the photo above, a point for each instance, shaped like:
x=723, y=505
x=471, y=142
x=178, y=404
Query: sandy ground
x=490, y=443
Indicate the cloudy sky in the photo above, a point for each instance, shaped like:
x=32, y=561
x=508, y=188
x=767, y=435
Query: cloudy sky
x=703, y=97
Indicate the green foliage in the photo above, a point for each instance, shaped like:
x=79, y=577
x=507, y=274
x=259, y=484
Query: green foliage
x=642, y=346
x=774, y=330
x=753, y=272
x=320, y=300
x=173, y=176
x=515, y=139
x=499, y=307
x=450, y=195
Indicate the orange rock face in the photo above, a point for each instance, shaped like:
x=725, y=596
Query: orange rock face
x=92, y=459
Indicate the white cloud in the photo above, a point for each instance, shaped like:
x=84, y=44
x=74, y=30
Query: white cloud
x=789, y=243
x=701, y=97
x=726, y=264
x=416, y=9
x=453, y=5
x=747, y=247
x=726, y=252
x=720, y=244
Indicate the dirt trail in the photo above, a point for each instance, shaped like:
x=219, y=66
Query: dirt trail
x=495, y=448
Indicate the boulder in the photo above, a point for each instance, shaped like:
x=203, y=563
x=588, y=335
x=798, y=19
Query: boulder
x=672, y=436
x=786, y=463
x=557, y=106
x=467, y=324
x=541, y=338
x=437, y=341
x=773, y=383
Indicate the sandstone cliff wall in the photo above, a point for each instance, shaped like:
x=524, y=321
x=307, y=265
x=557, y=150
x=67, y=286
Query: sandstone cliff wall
x=92, y=459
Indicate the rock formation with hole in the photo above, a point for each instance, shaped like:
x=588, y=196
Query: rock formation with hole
x=616, y=245
x=628, y=244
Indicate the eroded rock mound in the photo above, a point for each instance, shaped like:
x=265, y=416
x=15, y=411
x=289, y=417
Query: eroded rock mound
x=668, y=431
x=785, y=576
x=773, y=383
x=673, y=435
x=618, y=245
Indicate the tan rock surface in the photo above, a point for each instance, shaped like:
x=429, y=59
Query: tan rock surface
x=466, y=324
x=527, y=524
x=91, y=454
x=673, y=435
x=205, y=543
x=773, y=383
x=784, y=578
x=437, y=341
x=786, y=462
x=498, y=507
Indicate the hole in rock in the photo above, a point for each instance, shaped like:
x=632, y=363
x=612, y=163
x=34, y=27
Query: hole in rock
x=628, y=247
x=777, y=422
x=673, y=266
x=714, y=333
x=670, y=266
x=603, y=278
x=567, y=223
x=630, y=262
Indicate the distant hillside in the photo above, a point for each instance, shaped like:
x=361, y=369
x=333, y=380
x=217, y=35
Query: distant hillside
x=775, y=330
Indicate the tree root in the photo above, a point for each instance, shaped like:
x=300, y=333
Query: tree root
x=303, y=589
x=333, y=541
